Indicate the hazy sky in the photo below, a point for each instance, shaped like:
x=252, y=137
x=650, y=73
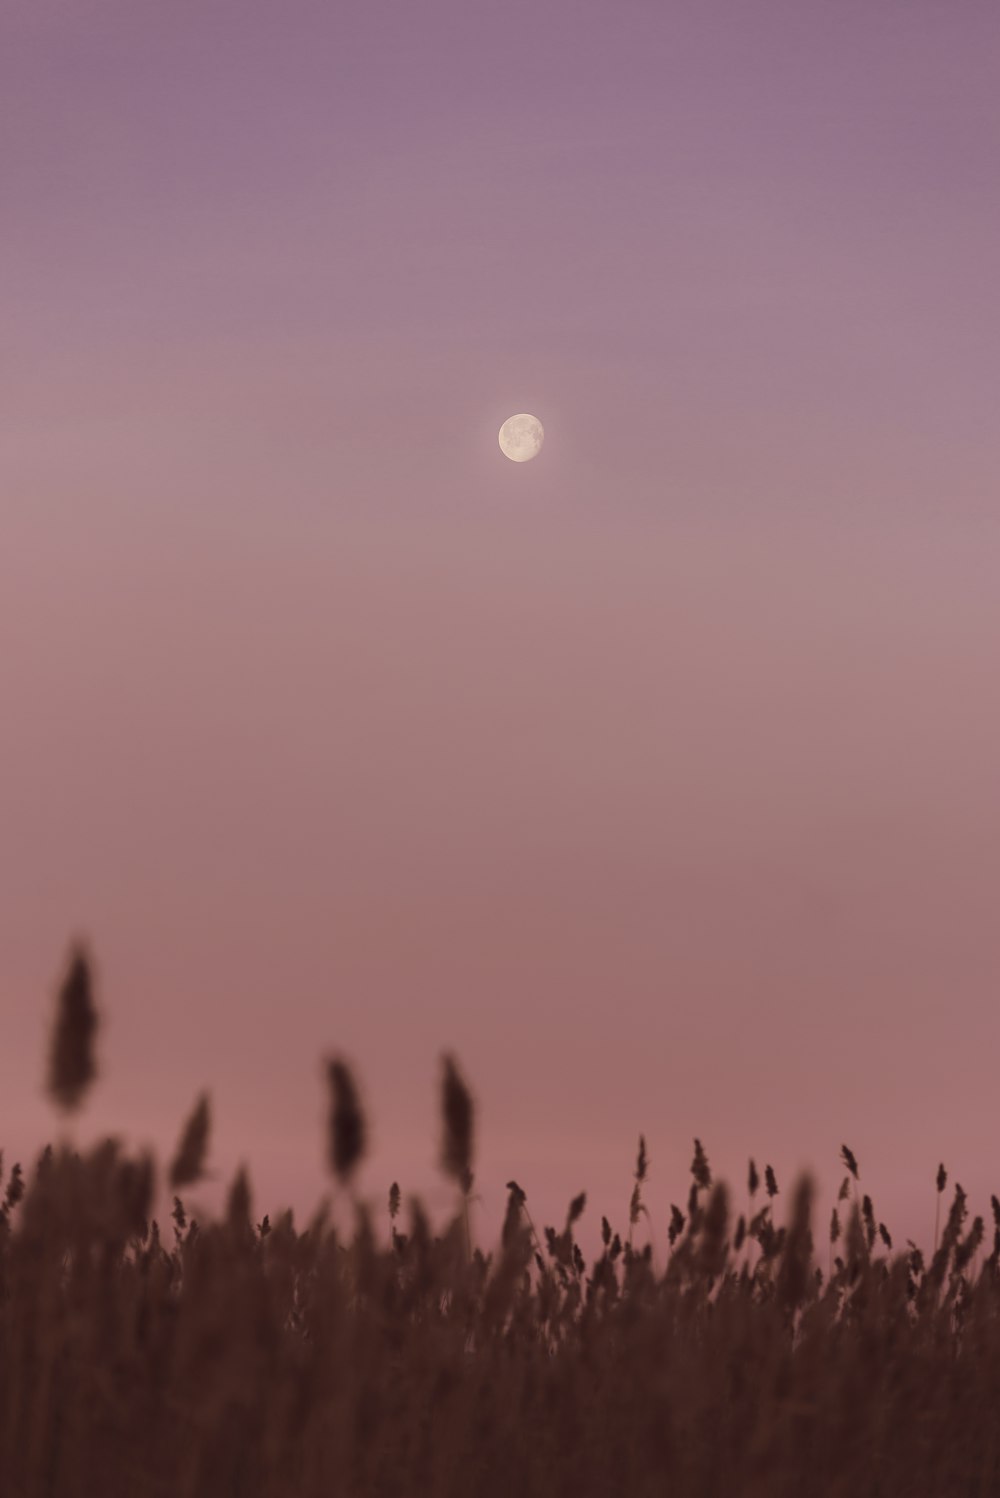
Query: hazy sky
x=660, y=777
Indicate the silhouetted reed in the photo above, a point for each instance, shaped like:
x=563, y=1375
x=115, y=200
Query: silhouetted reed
x=71, y=1059
x=457, y=1114
x=189, y=1162
x=347, y=1124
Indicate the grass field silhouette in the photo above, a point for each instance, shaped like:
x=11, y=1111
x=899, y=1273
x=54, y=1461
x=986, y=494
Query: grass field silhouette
x=257, y=1360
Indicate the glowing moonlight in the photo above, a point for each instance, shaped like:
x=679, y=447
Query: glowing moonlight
x=521, y=437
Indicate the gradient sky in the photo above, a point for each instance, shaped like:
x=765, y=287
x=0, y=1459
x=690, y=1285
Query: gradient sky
x=659, y=778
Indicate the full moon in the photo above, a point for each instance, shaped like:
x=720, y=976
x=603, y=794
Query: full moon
x=521, y=437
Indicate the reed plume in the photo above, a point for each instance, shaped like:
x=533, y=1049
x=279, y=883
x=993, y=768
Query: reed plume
x=346, y=1142
x=72, y=1067
x=188, y=1163
x=700, y=1168
x=457, y=1115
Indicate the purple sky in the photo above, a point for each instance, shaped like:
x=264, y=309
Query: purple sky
x=659, y=778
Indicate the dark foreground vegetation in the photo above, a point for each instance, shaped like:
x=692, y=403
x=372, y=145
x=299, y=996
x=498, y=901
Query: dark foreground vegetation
x=254, y=1360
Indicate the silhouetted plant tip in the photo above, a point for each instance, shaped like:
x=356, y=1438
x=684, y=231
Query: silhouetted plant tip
x=699, y=1167
x=346, y=1144
x=72, y=1067
x=753, y=1180
x=576, y=1207
x=457, y=1113
x=770, y=1183
x=642, y=1163
x=942, y=1181
x=849, y=1161
x=394, y=1200
x=512, y=1218
x=189, y=1161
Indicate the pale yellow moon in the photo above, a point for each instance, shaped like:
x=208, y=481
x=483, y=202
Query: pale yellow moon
x=521, y=437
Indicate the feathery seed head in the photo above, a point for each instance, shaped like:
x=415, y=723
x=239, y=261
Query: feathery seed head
x=642, y=1162
x=576, y=1207
x=457, y=1112
x=699, y=1167
x=346, y=1143
x=71, y=1057
x=189, y=1161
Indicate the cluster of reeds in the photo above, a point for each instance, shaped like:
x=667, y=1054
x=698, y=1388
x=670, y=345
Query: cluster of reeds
x=257, y=1360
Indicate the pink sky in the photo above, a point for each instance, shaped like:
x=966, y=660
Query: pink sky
x=659, y=778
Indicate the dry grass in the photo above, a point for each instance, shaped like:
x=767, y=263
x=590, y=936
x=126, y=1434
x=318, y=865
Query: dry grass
x=247, y=1360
